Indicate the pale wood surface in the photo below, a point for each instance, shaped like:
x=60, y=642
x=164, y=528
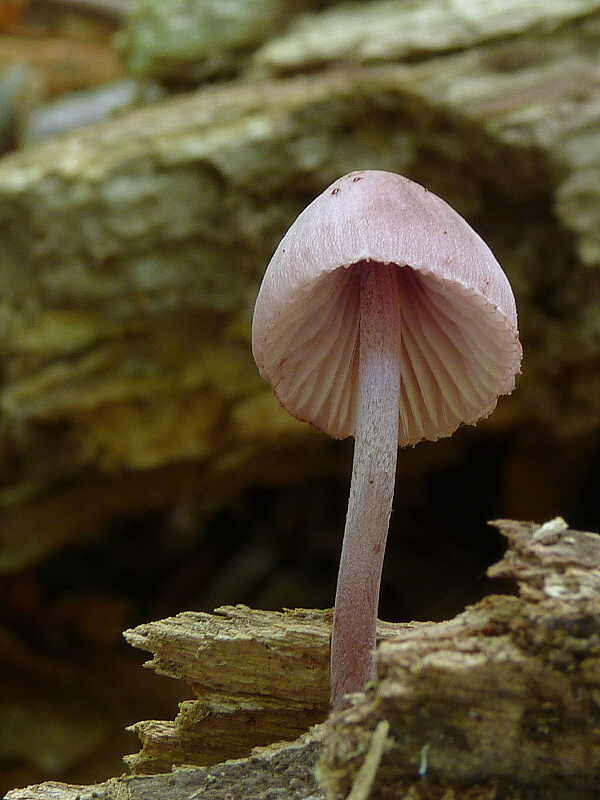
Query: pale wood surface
x=258, y=677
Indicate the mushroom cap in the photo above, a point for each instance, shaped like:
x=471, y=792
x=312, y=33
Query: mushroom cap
x=459, y=344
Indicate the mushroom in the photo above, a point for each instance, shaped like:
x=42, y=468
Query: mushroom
x=382, y=315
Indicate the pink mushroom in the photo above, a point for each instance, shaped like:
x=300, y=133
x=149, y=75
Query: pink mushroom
x=382, y=315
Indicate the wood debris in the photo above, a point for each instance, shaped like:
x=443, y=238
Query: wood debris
x=506, y=694
x=500, y=702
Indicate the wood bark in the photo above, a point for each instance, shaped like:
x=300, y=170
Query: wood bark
x=130, y=251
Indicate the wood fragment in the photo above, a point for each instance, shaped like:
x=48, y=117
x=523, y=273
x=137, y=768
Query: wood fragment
x=363, y=783
x=258, y=677
x=503, y=695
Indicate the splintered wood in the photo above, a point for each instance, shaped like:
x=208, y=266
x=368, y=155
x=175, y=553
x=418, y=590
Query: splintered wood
x=505, y=694
x=502, y=701
x=258, y=677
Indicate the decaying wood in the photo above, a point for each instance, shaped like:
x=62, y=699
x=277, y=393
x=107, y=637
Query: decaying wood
x=285, y=772
x=501, y=702
x=258, y=677
x=130, y=252
x=506, y=694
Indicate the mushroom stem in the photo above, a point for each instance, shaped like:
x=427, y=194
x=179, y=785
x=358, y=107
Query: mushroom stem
x=372, y=486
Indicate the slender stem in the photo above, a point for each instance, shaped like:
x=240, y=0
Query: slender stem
x=372, y=487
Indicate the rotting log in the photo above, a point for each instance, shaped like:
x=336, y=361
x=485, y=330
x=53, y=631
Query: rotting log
x=195, y=41
x=501, y=701
x=130, y=252
x=504, y=695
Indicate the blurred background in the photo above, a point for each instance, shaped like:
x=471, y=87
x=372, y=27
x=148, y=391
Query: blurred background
x=153, y=153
